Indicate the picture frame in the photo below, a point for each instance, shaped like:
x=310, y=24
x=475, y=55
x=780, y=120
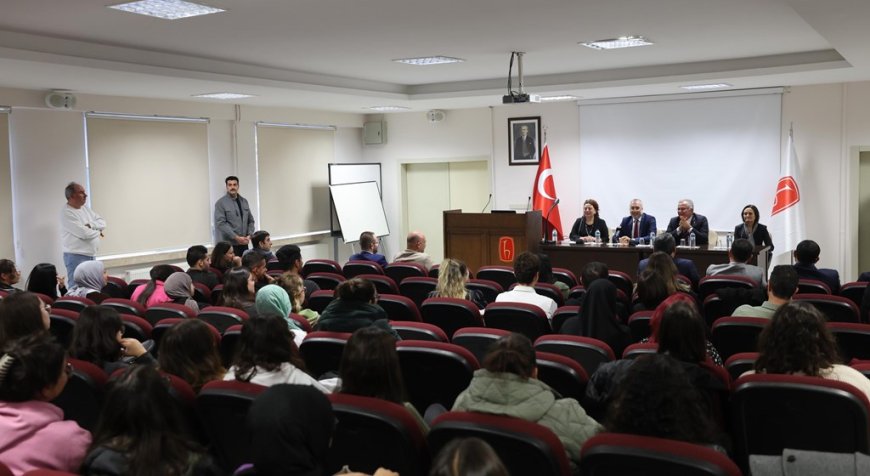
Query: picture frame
x=524, y=140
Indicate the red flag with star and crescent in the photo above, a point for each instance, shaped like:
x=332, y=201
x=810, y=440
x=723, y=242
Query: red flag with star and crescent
x=544, y=196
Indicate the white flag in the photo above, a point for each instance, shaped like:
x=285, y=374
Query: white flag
x=787, y=215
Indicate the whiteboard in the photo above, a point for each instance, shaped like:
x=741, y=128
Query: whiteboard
x=359, y=208
x=350, y=173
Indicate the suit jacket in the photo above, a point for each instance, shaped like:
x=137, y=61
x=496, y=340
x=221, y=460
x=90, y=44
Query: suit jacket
x=739, y=269
x=760, y=236
x=529, y=145
x=686, y=267
x=699, y=226
x=369, y=256
x=828, y=276
x=646, y=226
x=228, y=222
x=579, y=229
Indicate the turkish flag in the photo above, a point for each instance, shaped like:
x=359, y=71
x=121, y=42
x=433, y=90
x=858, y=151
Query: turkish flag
x=544, y=196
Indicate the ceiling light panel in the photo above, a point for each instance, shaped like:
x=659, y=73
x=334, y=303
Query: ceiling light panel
x=223, y=95
x=389, y=108
x=428, y=60
x=166, y=9
x=706, y=87
x=614, y=43
x=566, y=97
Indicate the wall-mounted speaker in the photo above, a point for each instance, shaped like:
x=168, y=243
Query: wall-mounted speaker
x=60, y=100
x=435, y=115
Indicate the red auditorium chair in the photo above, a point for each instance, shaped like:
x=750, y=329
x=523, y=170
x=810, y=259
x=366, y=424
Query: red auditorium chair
x=125, y=306
x=322, y=351
x=222, y=317
x=854, y=291
x=451, y=314
x=62, y=322
x=638, y=349
x=710, y=284
x=222, y=407
x=526, y=319
x=72, y=303
x=477, y=340
x=812, y=286
x=434, y=372
x=588, y=352
x=417, y=289
x=638, y=322
x=566, y=276
x=383, y=284
x=503, y=275
x=853, y=339
x=82, y=398
x=320, y=266
x=562, y=314
x=735, y=334
x=320, y=299
x=229, y=340
x=621, y=280
x=738, y=364
x=563, y=374
x=410, y=330
x=489, y=289
x=166, y=310
x=352, y=269
x=399, y=308
x=135, y=327
x=612, y=454
x=326, y=280
x=400, y=271
x=835, y=308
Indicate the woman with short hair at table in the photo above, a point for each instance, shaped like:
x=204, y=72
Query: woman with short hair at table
x=751, y=230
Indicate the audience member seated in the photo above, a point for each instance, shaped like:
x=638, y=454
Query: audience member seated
x=546, y=276
x=415, y=251
x=268, y=356
x=272, y=300
x=598, y=318
x=154, y=291
x=738, y=263
x=45, y=279
x=452, y=278
x=141, y=430
x=290, y=257
x=33, y=433
x=88, y=279
x=239, y=291
x=261, y=243
x=797, y=341
x=806, y=255
x=223, y=257
x=354, y=307
x=652, y=288
x=782, y=286
x=98, y=339
x=666, y=244
x=199, y=261
x=256, y=264
x=370, y=368
x=295, y=287
x=508, y=385
x=368, y=244
x=22, y=314
x=291, y=429
x=9, y=275
x=656, y=398
x=526, y=269
x=179, y=288
x=467, y=456
x=189, y=351
x=656, y=319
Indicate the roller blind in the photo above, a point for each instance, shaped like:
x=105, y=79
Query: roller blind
x=149, y=180
x=7, y=248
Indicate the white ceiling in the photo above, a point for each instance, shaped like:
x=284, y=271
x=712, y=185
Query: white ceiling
x=336, y=54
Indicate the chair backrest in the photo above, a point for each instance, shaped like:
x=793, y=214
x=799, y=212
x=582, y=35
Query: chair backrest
x=372, y=433
x=835, y=308
x=300, y=321
x=125, y=306
x=320, y=266
x=72, y=303
x=222, y=407
x=524, y=447
x=635, y=350
x=853, y=339
x=488, y=289
x=854, y=291
x=158, y=330
x=115, y=287
x=812, y=286
x=132, y=285
x=563, y=374
x=477, y=340
x=503, y=275
x=434, y=372
x=621, y=280
x=40, y=472
x=588, y=352
x=201, y=292
x=383, y=284
x=551, y=291
x=566, y=276
x=417, y=289
x=217, y=293
x=611, y=454
x=562, y=314
x=715, y=307
x=526, y=319
x=400, y=271
x=322, y=351
x=352, y=269
x=228, y=344
x=320, y=299
x=774, y=412
x=450, y=314
x=738, y=364
x=709, y=284
x=166, y=310
x=62, y=323
x=638, y=322
x=411, y=330
x=399, y=308
x=326, y=280
x=82, y=398
x=734, y=334
x=222, y=317
x=135, y=327
x=576, y=292
x=433, y=271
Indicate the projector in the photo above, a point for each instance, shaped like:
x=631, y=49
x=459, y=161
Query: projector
x=520, y=98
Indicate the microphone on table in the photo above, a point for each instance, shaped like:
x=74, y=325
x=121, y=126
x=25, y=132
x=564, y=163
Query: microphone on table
x=529, y=205
x=616, y=234
x=487, y=203
x=547, y=220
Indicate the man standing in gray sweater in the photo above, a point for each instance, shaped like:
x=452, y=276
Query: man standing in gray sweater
x=232, y=217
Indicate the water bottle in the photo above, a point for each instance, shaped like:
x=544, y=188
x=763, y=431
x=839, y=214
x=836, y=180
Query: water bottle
x=597, y=236
x=652, y=237
x=692, y=239
x=555, y=236
x=729, y=240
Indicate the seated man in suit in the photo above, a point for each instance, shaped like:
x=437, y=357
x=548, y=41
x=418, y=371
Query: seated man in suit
x=782, y=286
x=665, y=243
x=368, y=243
x=806, y=255
x=635, y=228
x=526, y=268
x=738, y=257
x=687, y=222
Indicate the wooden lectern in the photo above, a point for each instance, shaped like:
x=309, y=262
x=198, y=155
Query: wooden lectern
x=481, y=239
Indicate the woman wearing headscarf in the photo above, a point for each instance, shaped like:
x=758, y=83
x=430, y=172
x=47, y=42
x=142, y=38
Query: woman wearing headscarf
x=273, y=299
x=597, y=318
x=179, y=287
x=89, y=277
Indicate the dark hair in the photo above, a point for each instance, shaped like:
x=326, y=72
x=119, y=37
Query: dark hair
x=653, y=288
x=741, y=250
x=682, y=333
x=7, y=266
x=235, y=293
x=217, y=254
x=265, y=342
x=20, y=315
x=807, y=252
x=665, y=242
x=796, y=341
x=545, y=272
x=258, y=237
x=231, y=177
x=196, y=253
x=783, y=281
x=370, y=366
x=754, y=210
x=189, y=351
x=356, y=289
x=158, y=273
x=141, y=420
x=526, y=266
x=592, y=271
x=512, y=353
x=656, y=398
x=287, y=255
x=252, y=259
x=467, y=457
x=366, y=240
x=43, y=279
x=95, y=335
x=37, y=362
x=594, y=203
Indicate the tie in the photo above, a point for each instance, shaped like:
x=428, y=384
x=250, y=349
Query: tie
x=635, y=229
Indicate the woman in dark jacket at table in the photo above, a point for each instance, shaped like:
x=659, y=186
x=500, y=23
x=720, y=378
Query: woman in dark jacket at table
x=585, y=226
x=751, y=230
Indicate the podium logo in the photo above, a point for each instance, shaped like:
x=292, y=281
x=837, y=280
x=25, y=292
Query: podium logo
x=787, y=195
x=506, y=249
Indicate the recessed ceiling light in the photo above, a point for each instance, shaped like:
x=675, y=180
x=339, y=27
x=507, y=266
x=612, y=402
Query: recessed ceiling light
x=166, y=9
x=223, y=95
x=389, y=108
x=566, y=97
x=704, y=87
x=429, y=60
x=621, y=42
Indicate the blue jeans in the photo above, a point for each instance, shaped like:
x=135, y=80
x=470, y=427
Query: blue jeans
x=72, y=261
